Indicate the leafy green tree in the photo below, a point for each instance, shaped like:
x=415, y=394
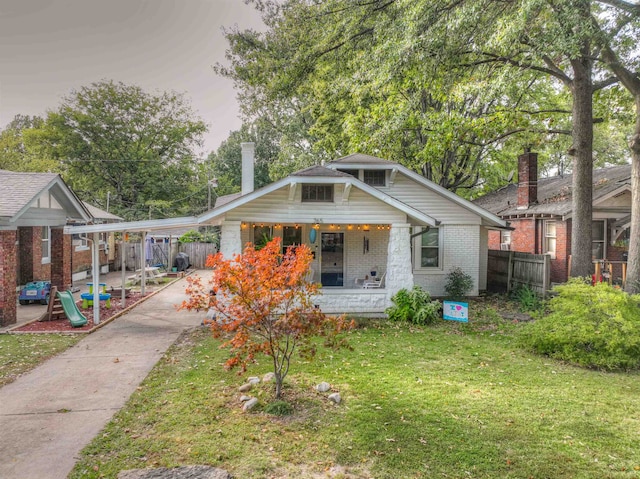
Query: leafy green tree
x=440, y=86
x=225, y=164
x=21, y=146
x=138, y=147
x=617, y=27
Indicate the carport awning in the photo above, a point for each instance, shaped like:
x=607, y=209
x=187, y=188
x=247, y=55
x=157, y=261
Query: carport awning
x=129, y=226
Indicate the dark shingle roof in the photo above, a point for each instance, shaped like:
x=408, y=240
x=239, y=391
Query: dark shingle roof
x=99, y=214
x=361, y=158
x=554, y=194
x=18, y=189
x=320, y=171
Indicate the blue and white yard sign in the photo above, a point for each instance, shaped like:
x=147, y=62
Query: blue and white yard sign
x=455, y=311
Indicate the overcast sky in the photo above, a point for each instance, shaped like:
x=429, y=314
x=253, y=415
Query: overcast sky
x=49, y=47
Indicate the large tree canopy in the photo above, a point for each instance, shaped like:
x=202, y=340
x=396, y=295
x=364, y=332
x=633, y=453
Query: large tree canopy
x=451, y=89
x=22, y=148
x=117, y=139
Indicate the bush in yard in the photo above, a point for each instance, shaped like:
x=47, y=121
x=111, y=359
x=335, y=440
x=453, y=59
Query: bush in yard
x=414, y=306
x=458, y=283
x=263, y=304
x=527, y=298
x=591, y=326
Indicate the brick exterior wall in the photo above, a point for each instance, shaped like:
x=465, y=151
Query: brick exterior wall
x=8, y=277
x=25, y=255
x=525, y=236
x=81, y=260
x=60, y=259
x=559, y=265
x=494, y=239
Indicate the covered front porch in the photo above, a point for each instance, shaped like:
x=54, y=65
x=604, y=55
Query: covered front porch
x=359, y=265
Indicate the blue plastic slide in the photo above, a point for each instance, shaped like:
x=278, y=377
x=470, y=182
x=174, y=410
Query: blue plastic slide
x=70, y=307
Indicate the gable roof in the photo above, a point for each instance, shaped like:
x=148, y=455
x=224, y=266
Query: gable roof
x=358, y=160
x=554, y=193
x=362, y=159
x=19, y=190
x=99, y=214
x=322, y=175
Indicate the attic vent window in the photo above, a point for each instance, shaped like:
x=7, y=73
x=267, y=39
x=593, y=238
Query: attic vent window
x=375, y=177
x=317, y=193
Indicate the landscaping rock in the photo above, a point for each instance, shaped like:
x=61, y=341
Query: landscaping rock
x=244, y=398
x=323, y=387
x=268, y=377
x=245, y=388
x=253, y=380
x=250, y=404
x=185, y=472
x=335, y=397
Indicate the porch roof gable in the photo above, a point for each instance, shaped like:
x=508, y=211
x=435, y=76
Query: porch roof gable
x=317, y=175
x=360, y=161
x=21, y=190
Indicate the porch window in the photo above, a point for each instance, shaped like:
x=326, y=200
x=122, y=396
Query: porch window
x=598, y=239
x=550, y=238
x=375, y=177
x=430, y=248
x=317, y=193
x=261, y=235
x=46, y=244
x=291, y=236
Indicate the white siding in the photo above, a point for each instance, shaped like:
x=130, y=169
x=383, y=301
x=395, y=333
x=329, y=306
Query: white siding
x=461, y=247
x=276, y=207
x=484, y=258
x=430, y=202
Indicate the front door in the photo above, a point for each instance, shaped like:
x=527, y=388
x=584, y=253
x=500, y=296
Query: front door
x=332, y=259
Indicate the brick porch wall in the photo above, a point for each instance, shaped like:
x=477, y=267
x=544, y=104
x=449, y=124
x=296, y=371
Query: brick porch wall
x=25, y=255
x=8, y=279
x=60, y=259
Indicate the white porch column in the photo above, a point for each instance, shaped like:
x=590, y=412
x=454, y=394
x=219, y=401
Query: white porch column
x=399, y=271
x=230, y=239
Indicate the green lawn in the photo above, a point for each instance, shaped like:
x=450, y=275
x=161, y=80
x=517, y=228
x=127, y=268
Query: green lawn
x=454, y=401
x=20, y=353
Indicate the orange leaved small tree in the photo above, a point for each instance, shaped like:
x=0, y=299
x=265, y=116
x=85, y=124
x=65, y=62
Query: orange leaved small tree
x=263, y=304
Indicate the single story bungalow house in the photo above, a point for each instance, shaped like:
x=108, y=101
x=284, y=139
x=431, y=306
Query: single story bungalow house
x=373, y=225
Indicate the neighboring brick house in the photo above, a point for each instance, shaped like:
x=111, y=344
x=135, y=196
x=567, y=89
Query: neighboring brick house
x=540, y=211
x=81, y=257
x=34, y=208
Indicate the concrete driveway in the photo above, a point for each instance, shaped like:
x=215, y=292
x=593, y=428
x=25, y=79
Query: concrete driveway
x=48, y=415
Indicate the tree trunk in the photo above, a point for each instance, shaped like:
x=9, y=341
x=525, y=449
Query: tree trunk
x=278, y=379
x=582, y=151
x=633, y=266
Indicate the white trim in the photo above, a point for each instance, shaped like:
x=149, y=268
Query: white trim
x=611, y=194
x=217, y=213
x=417, y=253
x=497, y=221
x=130, y=226
x=46, y=259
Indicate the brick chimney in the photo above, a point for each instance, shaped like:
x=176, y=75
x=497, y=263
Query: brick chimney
x=527, y=179
x=248, y=159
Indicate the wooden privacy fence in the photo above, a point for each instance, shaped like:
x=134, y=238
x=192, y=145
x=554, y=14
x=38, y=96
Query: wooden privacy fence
x=164, y=253
x=506, y=270
x=198, y=253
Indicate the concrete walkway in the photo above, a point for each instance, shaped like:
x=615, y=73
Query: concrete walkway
x=48, y=415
